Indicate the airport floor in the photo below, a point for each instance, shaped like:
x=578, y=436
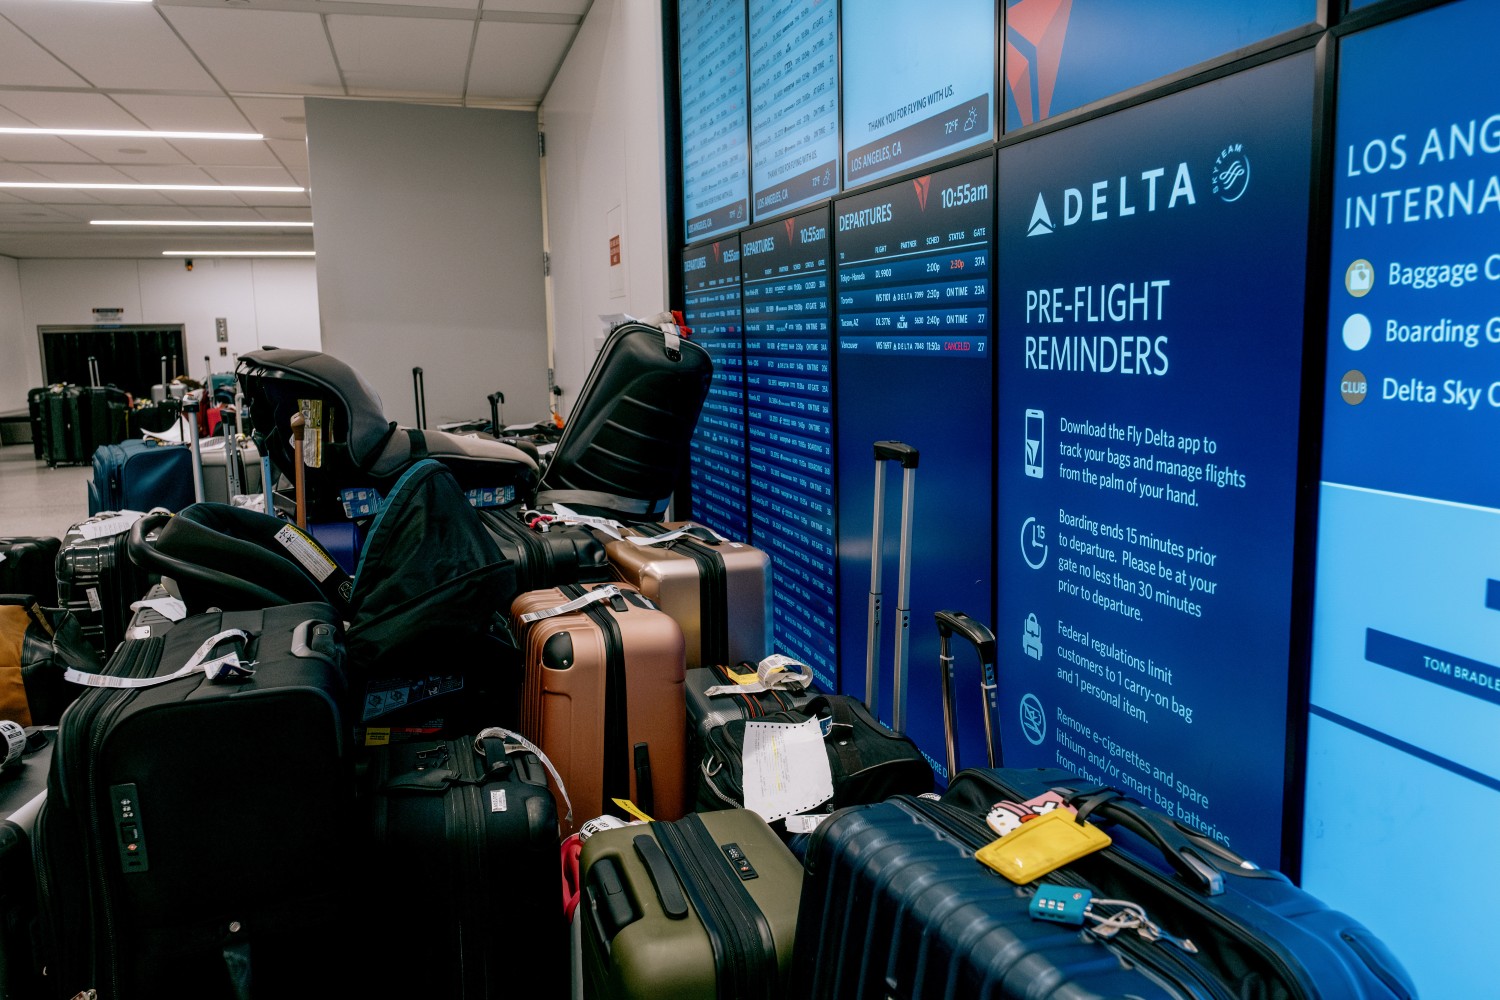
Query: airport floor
x=36, y=500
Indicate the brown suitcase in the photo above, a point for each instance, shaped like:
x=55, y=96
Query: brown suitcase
x=604, y=698
x=719, y=591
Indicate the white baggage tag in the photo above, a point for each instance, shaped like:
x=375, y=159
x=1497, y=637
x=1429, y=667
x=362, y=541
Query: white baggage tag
x=169, y=608
x=221, y=668
x=786, y=768
x=672, y=536
x=775, y=672
x=566, y=515
x=514, y=737
x=107, y=527
x=603, y=593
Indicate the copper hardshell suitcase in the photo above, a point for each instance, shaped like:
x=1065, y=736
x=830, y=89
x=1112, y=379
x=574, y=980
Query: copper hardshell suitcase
x=604, y=696
x=717, y=590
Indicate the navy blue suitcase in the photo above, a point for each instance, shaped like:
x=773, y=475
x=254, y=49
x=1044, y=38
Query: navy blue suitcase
x=140, y=475
x=894, y=904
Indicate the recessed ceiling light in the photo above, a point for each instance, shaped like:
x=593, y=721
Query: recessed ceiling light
x=51, y=185
x=238, y=253
x=125, y=133
x=194, y=222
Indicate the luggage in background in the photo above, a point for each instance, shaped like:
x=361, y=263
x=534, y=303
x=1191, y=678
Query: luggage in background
x=561, y=554
x=23, y=787
x=895, y=904
x=196, y=833
x=38, y=645
x=464, y=836
x=702, y=907
x=216, y=451
x=625, y=446
x=139, y=475
x=76, y=420
x=718, y=591
x=603, y=696
x=28, y=566
x=34, y=400
x=96, y=579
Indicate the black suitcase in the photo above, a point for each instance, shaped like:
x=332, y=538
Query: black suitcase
x=35, y=399
x=97, y=581
x=626, y=443
x=27, y=566
x=562, y=554
x=895, y=904
x=196, y=833
x=465, y=834
x=23, y=786
x=75, y=420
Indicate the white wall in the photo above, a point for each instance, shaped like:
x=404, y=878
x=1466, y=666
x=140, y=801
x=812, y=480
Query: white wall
x=603, y=117
x=13, y=370
x=429, y=238
x=264, y=301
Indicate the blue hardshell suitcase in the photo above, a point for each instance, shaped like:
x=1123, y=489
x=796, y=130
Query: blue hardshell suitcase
x=895, y=905
x=140, y=475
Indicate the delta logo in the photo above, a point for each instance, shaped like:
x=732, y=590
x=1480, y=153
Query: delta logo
x=1157, y=189
x=791, y=225
x=1034, y=35
x=922, y=185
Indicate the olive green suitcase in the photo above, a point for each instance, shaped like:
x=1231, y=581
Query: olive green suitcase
x=703, y=906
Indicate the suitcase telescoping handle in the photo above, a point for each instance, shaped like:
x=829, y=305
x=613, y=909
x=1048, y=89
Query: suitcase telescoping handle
x=890, y=451
x=419, y=392
x=299, y=490
x=983, y=640
x=497, y=400
x=165, y=378
x=93, y=372
x=190, y=404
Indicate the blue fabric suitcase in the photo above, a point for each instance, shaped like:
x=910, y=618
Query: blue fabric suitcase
x=139, y=475
x=894, y=904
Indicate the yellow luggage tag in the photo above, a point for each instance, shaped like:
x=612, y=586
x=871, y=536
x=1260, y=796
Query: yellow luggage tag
x=740, y=676
x=1042, y=845
x=632, y=809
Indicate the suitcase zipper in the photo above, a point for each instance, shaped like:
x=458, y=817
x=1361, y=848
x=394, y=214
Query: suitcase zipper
x=713, y=599
x=616, y=703
x=974, y=833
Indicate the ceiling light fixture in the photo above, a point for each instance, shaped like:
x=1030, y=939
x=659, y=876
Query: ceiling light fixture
x=239, y=253
x=51, y=185
x=196, y=222
x=126, y=133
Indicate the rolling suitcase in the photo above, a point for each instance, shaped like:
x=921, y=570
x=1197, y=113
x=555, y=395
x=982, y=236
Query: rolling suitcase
x=27, y=566
x=895, y=904
x=603, y=696
x=140, y=475
x=76, y=420
x=23, y=787
x=719, y=591
x=196, y=835
x=561, y=554
x=96, y=579
x=475, y=831
x=702, y=907
x=626, y=443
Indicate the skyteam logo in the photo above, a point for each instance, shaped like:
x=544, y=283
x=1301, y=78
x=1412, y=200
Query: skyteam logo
x=1232, y=172
x=1041, y=222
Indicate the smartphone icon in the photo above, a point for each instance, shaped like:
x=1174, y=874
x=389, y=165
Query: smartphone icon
x=1034, y=443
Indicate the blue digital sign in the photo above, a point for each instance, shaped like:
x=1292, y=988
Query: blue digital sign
x=789, y=406
x=918, y=84
x=1405, y=696
x=715, y=123
x=794, y=103
x=914, y=365
x=1150, y=342
x=1063, y=54
x=716, y=460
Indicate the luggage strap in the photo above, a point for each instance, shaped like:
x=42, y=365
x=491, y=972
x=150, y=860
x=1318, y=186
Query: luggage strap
x=605, y=593
x=593, y=498
x=439, y=779
x=744, y=949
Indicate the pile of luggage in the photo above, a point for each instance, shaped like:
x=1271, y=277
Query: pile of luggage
x=525, y=729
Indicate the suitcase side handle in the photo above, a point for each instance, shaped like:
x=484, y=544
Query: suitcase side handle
x=663, y=878
x=1186, y=858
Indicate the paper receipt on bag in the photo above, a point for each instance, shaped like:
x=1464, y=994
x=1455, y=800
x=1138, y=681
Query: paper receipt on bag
x=785, y=768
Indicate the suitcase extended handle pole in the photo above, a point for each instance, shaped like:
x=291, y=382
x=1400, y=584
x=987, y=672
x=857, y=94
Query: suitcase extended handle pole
x=190, y=404
x=890, y=451
x=299, y=428
x=983, y=640
x=419, y=391
x=497, y=400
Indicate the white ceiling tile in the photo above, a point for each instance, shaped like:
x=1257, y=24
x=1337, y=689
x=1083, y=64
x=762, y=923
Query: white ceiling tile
x=113, y=45
x=575, y=7
x=114, y=150
x=269, y=116
x=81, y=173
x=63, y=109
x=227, y=153
x=292, y=153
x=401, y=56
x=470, y=7
x=41, y=149
x=272, y=200
x=167, y=174
x=261, y=51
x=189, y=114
x=261, y=176
x=23, y=61
x=203, y=198
x=114, y=200
x=63, y=196
x=16, y=172
x=513, y=60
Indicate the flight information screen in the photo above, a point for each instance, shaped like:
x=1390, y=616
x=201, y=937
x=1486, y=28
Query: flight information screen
x=919, y=83
x=914, y=365
x=794, y=103
x=789, y=406
x=715, y=123
x=711, y=306
x=1405, y=692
